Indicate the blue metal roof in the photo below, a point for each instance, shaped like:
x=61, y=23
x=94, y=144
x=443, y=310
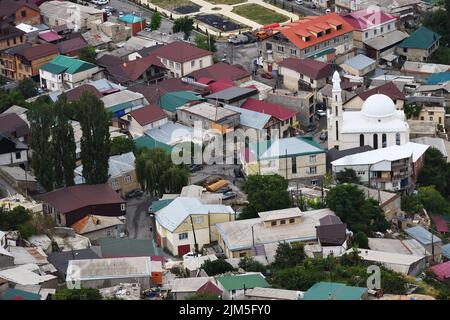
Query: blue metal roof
x=446, y=250
x=359, y=62
x=438, y=78
x=422, y=235
x=131, y=18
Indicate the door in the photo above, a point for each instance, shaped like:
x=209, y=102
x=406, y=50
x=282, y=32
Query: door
x=184, y=249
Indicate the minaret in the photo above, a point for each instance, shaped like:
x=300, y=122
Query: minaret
x=335, y=114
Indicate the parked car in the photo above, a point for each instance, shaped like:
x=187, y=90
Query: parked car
x=321, y=113
x=238, y=173
x=229, y=195
x=267, y=75
x=134, y=194
x=121, y=14
x=195, y=167
x=299, y=1
x=311, y=127
x=328, y=11
x=323, y=136
x=224, y=190
x=190, y=255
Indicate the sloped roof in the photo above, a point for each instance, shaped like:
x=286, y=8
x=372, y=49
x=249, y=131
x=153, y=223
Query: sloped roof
x=11, y=125
x=422, y=38
x=74, y=197
x=360, y=62
x=333, y=291
x=15, y=294
x=75, y=93
x=132, y=70
x=275, y=110
x=130, y=18
x=71, y=45
x=314, y=69
x=442, y=270
x=155, y=91
x=39, y=51
x=50, y=36
x=332, y=234
x=210, y=287
x=239, y=282
x=9, y=31
x=61, y=259
x=118, y=165
x=67, y=64
x=389, y=89
x=8, y=8
x=441, y=224
x=438, y=78
x=92, y=223
x=148, y=114
x=180, y=51
x=422, y=235
x=368, y=18
x=172, y=100
x=221, y=71
x=149, y=142
x=250, y=118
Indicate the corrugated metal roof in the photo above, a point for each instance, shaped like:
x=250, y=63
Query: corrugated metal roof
x=238, y=282
x=360, y=62
x=446, y=250
x=422, y=235
x=333, y=291
x=250, y=118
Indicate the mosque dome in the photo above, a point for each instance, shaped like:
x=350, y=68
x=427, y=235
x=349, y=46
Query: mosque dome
x=378, y=106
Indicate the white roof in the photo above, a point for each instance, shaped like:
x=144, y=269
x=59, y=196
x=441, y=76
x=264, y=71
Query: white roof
x=190, y=284
x=195, y=263
x=391, y=153
x=378, y=106
x=357, y=122
x=18, y=174
x=359, y=62
x=437, y=143
x=108, y=268
x=273, y=294
x=250, y=118
x=208, y=111
x=171, y=216
x=104, y=85
x=423, y=67
x=120, y=97
x=237, y=234
x=3, y=251
x=395, y=261
x=171, y=133
x=28, y=255
x=118, y=166
x=26, y=28
x=280, y=214
x=409, y=246
x=289, y=146
x=27, y=274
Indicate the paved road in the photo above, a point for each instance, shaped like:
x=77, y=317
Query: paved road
x=304, y=9
x=137, y=219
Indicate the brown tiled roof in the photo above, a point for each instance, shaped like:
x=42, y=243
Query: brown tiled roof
x=332, y=234
x=221, y=71
x=148, y=114
x=9, y=7
x=312, y=68
x=71, y=45
x=75, y=94
x=180, y=51
x=389, y=89
x=75, y=197
x=108, y=60
x=132, y=70
x=39, y=51
x=12, y=125
x=154, y=91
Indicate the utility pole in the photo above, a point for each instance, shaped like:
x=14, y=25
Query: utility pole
x=195, y=238
x=253, y=238
x=285, y=153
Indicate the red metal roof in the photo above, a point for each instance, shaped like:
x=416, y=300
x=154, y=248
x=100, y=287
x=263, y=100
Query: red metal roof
x=303, y=28
x=442, y=271
x=220, y=85
x=209, y=287
x=275, y=110
x=389, y=89
x=148, y=114
x=368, y=18
x=221, y=71
x=132, y=70
x=312, y=68
x=441, y=224
x=50, y=36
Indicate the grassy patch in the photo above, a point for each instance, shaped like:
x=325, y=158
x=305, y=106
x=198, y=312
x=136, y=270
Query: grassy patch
x=230, y=2
x=170, y=4
x=259, y=14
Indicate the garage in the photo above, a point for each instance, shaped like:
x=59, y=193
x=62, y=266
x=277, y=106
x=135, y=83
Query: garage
x=184, y=249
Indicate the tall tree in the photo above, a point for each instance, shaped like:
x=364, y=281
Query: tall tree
x=185, y=25
x=88, y=54
x=95, y=140
x=63, y=144
x=42, y=161
x=347, y=176
x=264, y=193
x=205, y=42
x=155, y=22
x=121, y=145
x=27, y=88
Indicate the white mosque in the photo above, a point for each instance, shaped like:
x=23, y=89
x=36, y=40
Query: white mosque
x=378, y=124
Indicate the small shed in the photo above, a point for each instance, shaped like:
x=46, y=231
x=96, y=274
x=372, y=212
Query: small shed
x=359, y=65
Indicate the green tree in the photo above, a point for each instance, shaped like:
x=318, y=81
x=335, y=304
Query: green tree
x=249, y=264
x=63, y=145
x=95, y=139
x=18, y=218
x=289, y=255
x=150, y=166
x=433, y=201
x=185, y=25
x=88, y=54
x=347, y=176
x=205, y=42
x=174, y=179
x=42, y=161
x=361, y=240
x=410, y=203
x=121, y=145
x=155, y=22
x=296, y=278
x=78, y=294
x=10, y=98
x=264, y=193
x=216, y=267
x=27, y=87
x=435, y=172
x=204, y=296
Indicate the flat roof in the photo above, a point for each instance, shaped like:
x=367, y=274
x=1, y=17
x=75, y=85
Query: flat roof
x=189, y=284
x=273, y=293
x=209, y=111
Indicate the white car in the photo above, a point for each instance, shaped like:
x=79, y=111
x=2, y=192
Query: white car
x=190, y=255
x=328, y=11
x=299, y=1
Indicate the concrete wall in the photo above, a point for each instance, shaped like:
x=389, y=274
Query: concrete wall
x=11, y=158
x=301, y=104
x=144, y=281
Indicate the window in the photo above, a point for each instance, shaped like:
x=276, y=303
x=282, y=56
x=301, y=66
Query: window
x=312, y=170
x=280, y=49
x=389, y=26
x=23, y=13
x=367, y=35
x=405, y=49
x=383, y=140
x=242, y=255
x=201, y=63
x=178, y=66
x=268, y=46
x=312, y=159
x=58, y=217
x=314, y=182
x=283, y=221
x=431, y=118
x=115, y=184
x=193, y=63
x=337, y=129
x=397, y=138
x=164, y=61
x=183, y=236
x=127, y=178
x=375, y=31
x=360, y=173
x=171, y=64
x=273, y=223
x=361, y=140
x=197, y=220
x=122, y=207
x=294, y=165
x=381, y=30
x=292, y=220
x=18, y=155
x=375, y=141
x=108, y=233
x=293, y=52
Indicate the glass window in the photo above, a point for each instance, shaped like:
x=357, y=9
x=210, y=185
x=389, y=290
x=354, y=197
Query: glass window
x=375, y=141
x=18, y=155
x=280, y=49
x=397, y=138
x=293, y=52
x=127, y=178
x=283, y=221
x=193, y=63
x=197, y=220
x=292, y=220
x=312, y=159
x=361, y=140
x=294, y=165
x=273, y=223
x=183, y=236
x=122, y=207
x=383, y=140
x=312, y=170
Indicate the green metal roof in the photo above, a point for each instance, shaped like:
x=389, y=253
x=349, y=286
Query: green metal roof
x=158, y=205
x=173, y=100
x=16, y=294
x=422, y=38
x=70, y=65
x=148, y=142
x=333, y=291
x=237, y=282
x=130, y=18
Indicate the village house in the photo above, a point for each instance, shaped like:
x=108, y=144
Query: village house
x=259, y=293
x=420, y=45
x=388, y=89
x=182, y=288
x=235, y=286
x=20, y=11
x=64, y=73
x=70, y=204
x=28, y=275
x=327, y=38
x=184, y=216
x=71, y=47
x=334, y=291
x=13, y=137
x=253, y=120
x=383, y=48
x=182, y=58
x=121, y=173
x=250, y=237
x=134, y=22
x=10, y=36
x=297, y=158
x=221, y=71
x=304, y=74
x=143, y=119
x=29, y=60
x=394, y=168
x=122, y=102
x=332, y=236
x=359, y=65
x=98, y=227
x=235, y=96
